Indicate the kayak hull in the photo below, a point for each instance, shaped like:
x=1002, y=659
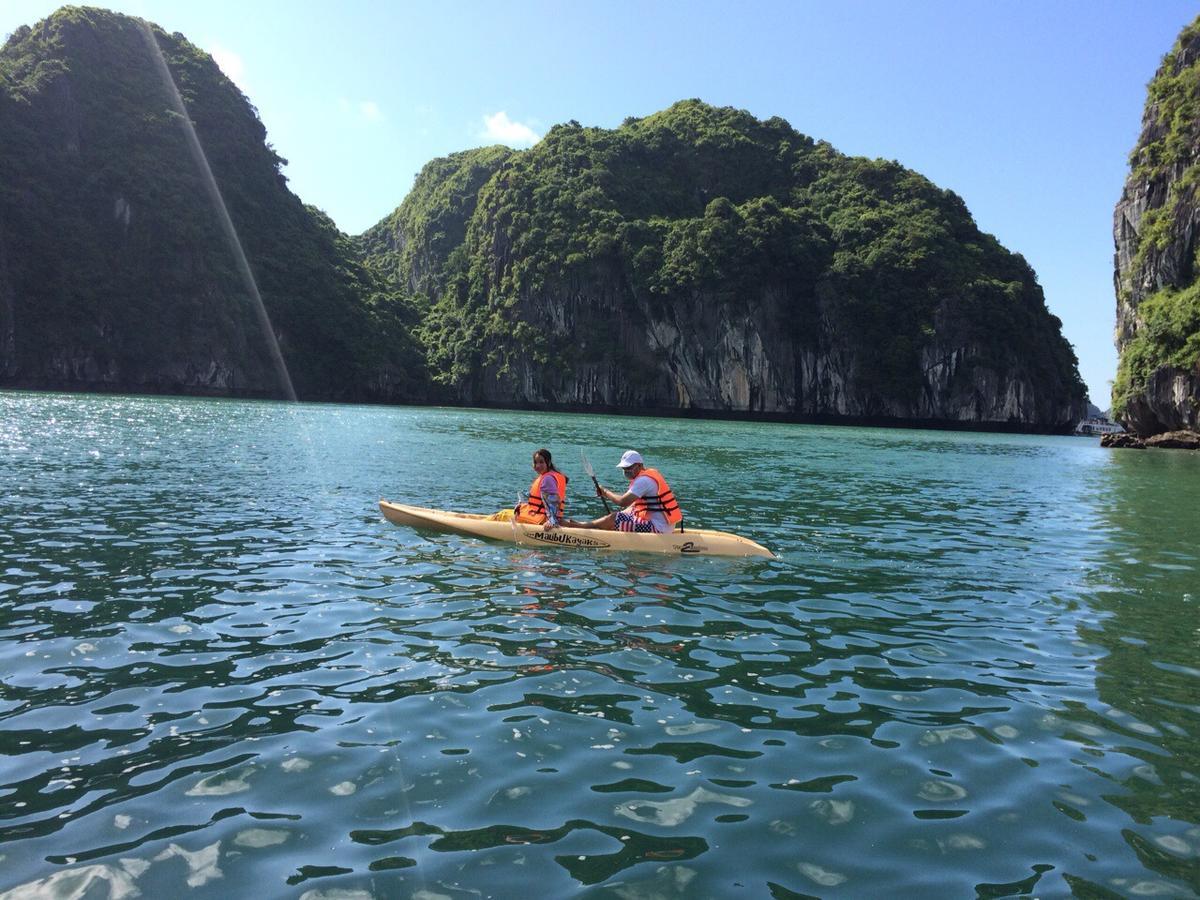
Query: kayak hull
x=697, y=542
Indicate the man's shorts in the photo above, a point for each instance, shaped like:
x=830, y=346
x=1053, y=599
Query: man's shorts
x=626, y=521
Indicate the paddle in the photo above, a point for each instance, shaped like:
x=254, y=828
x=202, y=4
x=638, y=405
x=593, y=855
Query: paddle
x=513, y=521
x=587, y=467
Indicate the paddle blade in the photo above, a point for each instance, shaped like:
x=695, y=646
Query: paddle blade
x=513, y=520
x=591, y=473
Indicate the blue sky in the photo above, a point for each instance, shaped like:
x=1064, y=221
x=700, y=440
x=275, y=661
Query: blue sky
x=1027, y=109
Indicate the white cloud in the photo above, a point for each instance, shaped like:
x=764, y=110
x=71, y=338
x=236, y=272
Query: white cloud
x=367, y=110
x=231, y=64
x=503, y=130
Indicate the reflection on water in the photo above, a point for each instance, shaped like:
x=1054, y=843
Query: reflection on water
x=1148, y=681
x=973, y=671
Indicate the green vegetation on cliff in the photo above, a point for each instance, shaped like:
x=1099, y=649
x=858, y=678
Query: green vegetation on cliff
x=1166, y=161
x=696, y=205
x=1169, y=139
x=112, y=253
x=1169, y=335
x=433, y=218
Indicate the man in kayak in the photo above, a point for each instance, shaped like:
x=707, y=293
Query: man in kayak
x=547, y=496
x=648, y=506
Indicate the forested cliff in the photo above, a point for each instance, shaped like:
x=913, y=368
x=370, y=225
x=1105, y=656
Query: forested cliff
x=1156, y=228
x=698, y=259
x=116, y=272
x=702, y=259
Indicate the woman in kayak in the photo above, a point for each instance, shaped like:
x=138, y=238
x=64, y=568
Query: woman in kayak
x=648, y=506
x=547, y=495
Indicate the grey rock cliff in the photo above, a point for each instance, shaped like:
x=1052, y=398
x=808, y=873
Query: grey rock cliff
x=1156, y=224
x=710, y=358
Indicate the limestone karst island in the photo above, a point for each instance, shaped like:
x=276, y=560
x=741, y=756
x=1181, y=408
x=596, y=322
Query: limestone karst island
x=696, y=261
x=1157, y=391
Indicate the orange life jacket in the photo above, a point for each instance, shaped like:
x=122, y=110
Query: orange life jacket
x=662, y=502
x=535, y=510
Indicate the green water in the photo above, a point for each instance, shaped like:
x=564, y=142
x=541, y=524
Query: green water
x=973, y=671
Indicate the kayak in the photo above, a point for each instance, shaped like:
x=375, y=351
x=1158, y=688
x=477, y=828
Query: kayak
x=698, y=541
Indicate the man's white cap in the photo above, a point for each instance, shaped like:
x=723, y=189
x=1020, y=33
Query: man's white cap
x=629, y=458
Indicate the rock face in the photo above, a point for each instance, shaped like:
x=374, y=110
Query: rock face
x=702, y=356
x=701, y=260
x=1122, y=441
x=1175, y=440
x=119, y=269
x=1169, y=440
x=1155, y=228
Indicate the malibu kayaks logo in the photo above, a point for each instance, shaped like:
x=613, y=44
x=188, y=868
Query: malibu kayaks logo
x=691, y=547
x=566, y=540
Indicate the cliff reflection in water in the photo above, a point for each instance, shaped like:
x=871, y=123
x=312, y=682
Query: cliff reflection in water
x=1149, y=587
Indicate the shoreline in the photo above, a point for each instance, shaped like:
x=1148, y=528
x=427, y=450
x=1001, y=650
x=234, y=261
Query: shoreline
x=1167, y=440
x=729, y=415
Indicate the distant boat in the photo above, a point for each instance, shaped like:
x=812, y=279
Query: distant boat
x=1094, y=425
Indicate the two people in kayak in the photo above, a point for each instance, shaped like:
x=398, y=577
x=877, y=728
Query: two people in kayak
x=648, y=506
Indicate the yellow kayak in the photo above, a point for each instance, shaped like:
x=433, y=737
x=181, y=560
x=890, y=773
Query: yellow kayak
x=685, y=543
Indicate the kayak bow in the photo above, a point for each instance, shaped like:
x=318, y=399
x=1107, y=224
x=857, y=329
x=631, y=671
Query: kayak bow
x=698, y=541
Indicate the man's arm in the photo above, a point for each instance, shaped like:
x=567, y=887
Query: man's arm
x=622, y=500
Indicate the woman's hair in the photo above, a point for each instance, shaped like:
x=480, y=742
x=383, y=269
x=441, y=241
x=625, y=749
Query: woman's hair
x=549, y=460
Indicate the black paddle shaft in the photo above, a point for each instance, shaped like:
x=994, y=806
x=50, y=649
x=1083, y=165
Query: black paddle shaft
x=603, y=499
x=587, y=467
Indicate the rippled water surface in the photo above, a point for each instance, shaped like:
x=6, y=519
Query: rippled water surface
x=973, y=671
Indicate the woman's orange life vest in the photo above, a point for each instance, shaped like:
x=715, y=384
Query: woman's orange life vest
x=535, y=510
x=663, y=501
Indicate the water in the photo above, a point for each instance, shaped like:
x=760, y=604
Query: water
x=973, y=671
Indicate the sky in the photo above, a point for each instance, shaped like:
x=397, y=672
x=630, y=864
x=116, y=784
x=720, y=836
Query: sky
x=1028, y=109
